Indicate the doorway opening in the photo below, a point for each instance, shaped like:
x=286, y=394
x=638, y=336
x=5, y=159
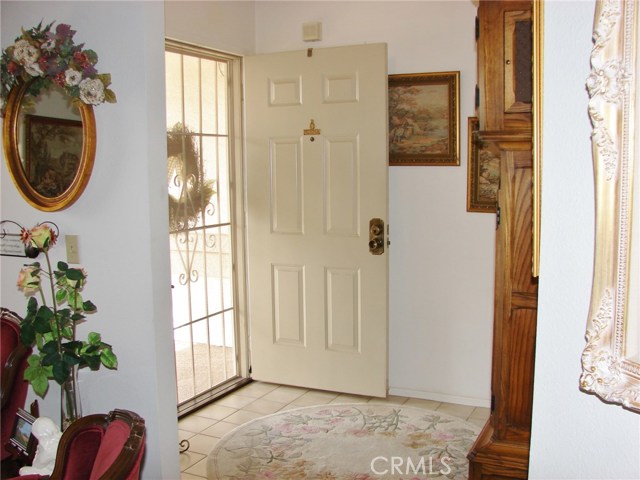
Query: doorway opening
x=202, y=88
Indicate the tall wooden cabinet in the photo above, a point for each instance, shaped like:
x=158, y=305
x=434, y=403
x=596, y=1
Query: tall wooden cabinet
x=505, y=90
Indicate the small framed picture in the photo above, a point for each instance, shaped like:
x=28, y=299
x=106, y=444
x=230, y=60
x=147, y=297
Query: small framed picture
x=21, y=437
x=483, y=172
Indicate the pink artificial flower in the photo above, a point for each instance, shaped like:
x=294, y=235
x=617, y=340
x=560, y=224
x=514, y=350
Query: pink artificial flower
x=28, y=280
x=40, y=236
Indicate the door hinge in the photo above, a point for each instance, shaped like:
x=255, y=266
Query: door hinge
x=250, y=369
x=477, y=28
x=497, y=216
x=493, y=402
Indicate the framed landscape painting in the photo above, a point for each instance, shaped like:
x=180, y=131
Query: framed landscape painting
x=424, y=119
x=483, y=172
x=53, y=152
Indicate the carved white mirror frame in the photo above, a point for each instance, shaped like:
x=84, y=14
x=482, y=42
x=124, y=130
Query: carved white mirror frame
x=610, y=360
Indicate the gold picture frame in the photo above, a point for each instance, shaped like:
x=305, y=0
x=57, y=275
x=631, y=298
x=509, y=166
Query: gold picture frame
x=538, y=89
x=611, y=357
x=483, y=171
x=424, y=119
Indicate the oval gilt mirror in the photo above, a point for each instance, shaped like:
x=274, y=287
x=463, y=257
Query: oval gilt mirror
x=49, y=146
x=49, y=87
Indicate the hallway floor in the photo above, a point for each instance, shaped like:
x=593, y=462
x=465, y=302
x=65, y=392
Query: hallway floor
x=206, y=426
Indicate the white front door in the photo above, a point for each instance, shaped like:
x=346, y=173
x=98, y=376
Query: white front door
x=317, y=296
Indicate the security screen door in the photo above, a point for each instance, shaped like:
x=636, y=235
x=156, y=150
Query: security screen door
x=317, y=296
x=201, y=227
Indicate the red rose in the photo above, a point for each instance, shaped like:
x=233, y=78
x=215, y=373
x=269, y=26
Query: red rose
x=81, y=59
x=60, y=79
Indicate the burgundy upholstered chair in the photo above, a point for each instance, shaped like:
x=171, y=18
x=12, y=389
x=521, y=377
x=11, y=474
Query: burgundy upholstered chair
x=100, y=447
x=13, y=359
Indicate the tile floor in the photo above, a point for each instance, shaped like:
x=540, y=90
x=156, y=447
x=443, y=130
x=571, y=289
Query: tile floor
x=206, y=426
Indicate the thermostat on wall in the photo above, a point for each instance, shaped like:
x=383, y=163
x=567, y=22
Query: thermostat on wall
x=311, y=31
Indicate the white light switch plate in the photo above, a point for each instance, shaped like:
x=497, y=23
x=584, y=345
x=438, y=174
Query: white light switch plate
x=71, y=242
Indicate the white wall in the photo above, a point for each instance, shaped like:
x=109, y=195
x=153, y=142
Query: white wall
x=575, y=435
x=225, y=26
x=441, y=257
x=121, y=219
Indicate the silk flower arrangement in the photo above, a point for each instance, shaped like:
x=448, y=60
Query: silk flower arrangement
x=51, y=327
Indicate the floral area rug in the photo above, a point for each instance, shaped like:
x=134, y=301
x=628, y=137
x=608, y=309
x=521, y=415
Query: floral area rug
x=346, y=442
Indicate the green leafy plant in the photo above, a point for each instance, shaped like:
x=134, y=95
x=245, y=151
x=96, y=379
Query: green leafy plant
x=52, y=327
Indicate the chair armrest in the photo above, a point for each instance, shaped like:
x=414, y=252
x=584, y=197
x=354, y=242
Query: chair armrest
x=33, y=476
x=10, y=370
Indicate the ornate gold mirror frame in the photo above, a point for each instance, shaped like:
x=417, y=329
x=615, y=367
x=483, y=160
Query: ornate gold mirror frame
x=611, y=360
x=10, y=138
x=43, y=66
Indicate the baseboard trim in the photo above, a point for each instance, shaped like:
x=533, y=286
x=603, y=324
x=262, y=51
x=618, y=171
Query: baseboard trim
x=439, y=397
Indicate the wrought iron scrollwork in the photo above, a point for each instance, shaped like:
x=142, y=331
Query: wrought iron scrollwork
x=6, y=227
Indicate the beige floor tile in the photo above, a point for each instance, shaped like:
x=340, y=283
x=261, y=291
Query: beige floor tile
x=184, y=435
x=257, y=389
x=345, y=398
x=242, y=416
x=393, y=399
x=477, y=422
x=264, y=407
x=188, y=476
x=234, y=400
x=285, y=394
x=220, y=429
x=481, y=413
x=199, y=469
x=319, y=396
x=422, y=403
x=292, y=406
x=195, y=423
x=460, y=411
x=188, y=459
x=202, y=444
x=314, y=398
x=216, y=412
